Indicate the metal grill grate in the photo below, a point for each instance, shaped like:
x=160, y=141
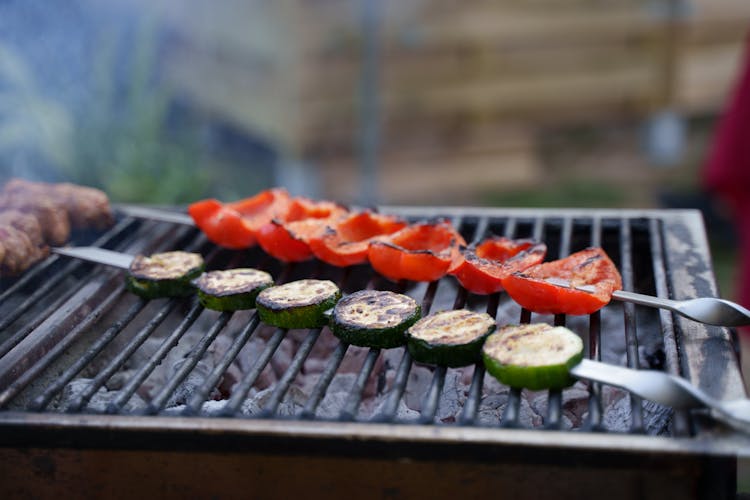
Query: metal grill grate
x=70, y=335
x=98, y=321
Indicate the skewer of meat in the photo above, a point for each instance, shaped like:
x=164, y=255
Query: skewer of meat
x=35, y=214
x=18, y=252
x=25, y=222
x=86, y=207
x=52, y=216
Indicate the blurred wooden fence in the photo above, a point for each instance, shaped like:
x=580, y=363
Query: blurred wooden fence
x=462, y=82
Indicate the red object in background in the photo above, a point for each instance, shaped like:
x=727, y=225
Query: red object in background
x=233, y=225
x=483, y=267
x=727, y=172
x=419, y=252
x=346, y=243
x=592, y=266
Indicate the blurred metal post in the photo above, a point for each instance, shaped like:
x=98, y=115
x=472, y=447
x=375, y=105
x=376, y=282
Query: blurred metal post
x=368, y=130
x=666, y=128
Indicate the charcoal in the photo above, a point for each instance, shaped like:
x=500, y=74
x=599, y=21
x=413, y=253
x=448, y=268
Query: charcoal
x=291, y=405
x=248, y=357
x=192, y=381
x=99, y=401
x=209, y=408
x=453, y=397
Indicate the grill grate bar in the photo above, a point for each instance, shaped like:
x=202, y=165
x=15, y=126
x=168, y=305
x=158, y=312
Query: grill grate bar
x=243, y=388
x=471, y=405
x=680, y=419
x=158, y=402
x=41, y=401
x=390, y=407
x=432, y=396
x=594, y=418
x=631, y=339
x=512, y=407
x=334, y=361
x=104, y=375
x=431, y=400
x=554, y=398
x=129, y=389
x=45, y=361
x=201, y=394
x=325, y=379
x=21, y=334
x=282, y=386
x=355, y=394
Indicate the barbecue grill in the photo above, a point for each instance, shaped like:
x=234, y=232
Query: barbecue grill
x=104, y=393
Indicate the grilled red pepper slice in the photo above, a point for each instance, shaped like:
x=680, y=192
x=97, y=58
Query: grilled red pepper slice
x=535, y=290
x=233, y=225
x=418, y=252
x=483, y=267
x=286, y=238
x=346, y=242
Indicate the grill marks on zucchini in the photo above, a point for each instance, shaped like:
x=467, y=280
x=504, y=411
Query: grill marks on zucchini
x=232, y=289
x=534, y=356
x=298, y=304
x=451, y=338
x=167, y=274
x=373, y=318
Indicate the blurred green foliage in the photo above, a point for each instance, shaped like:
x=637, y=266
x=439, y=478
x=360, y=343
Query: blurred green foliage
x=31, y=122
x=121, y=140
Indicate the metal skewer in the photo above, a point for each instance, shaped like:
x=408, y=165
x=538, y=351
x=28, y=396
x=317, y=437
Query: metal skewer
x=708, y=310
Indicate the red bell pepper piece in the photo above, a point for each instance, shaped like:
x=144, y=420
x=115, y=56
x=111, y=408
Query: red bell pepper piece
x=418, y=252
x=532, y=290
x=483, y=267
x=346, y=242
x=233, y=225
x=286, y=238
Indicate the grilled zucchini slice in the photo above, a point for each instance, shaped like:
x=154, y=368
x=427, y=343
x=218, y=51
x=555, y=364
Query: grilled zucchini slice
x=167, y=274
x=298, y=304
x=450, y=338
x=534, y=356
x=373, y=318
x=232, y=289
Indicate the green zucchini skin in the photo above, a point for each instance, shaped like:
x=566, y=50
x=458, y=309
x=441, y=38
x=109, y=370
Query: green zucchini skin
x=535, y=356
x=297, y=304
x=231, y=289
x=449, y=338
x=167, y=274
x=374, y=318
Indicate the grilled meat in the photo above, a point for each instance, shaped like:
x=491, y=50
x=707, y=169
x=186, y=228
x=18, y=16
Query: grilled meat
x=86, y=207
x=35, y=214
x=25, y=222
x=52, y=216
x=19, y=253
